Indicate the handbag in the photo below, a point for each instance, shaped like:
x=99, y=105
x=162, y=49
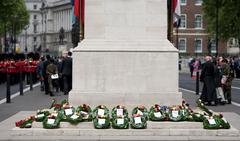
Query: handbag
x=54, y=76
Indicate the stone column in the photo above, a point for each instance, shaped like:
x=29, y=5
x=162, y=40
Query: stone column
x=125, y=57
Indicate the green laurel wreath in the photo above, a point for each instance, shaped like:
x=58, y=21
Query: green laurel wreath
x=74, y=121
x=114, y=112
x=106, y=125
x=142, y=109
x=106, y=111
x=39, y=118
x=125, y=125
x=152, y=116
x=87, y=109
x=56, y=123
x=141, y=125
x=175, y=119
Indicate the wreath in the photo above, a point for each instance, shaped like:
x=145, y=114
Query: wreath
x=85, y=111
x=26, y=123
x=140, y=110
x=138, y=122
x=119, y=111
x=197, y=117
x=175, y=114
x=120, y=123
x=101, y=122
x=224, y=124
x=156, y=113
x=211, y=123
x=75, y=118
x=67, y=111
x=52, y=121
x=41, y=115
x=101, y=111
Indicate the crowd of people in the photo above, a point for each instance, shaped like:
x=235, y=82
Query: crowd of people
x=55, y=74
x=216, y=75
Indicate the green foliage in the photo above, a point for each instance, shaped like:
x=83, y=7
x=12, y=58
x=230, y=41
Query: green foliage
x=228, y=19
x=13, y=12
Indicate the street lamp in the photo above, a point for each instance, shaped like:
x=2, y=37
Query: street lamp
x=217, y=7
x=26, y=38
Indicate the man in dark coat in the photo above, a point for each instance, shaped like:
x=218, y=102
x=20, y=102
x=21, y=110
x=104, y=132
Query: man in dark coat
x=45, y=76
x=67, y=73
x=207, y=77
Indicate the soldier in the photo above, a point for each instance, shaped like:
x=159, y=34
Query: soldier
x=51, y=70
x=226, y=79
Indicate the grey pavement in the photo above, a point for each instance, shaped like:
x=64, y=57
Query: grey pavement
x=30, y=101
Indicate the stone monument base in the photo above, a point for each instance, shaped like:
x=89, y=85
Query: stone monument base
x=125, y=72
x=171, y=131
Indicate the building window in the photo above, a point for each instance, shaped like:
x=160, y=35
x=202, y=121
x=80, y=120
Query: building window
x=35, y=28
x=34, y=17
x=198, y=2
x=198, y=45
x=183, y=2
x=182, y=44
x=34, y=6
x=198, y=21
x=183, y=23
x=213, y=46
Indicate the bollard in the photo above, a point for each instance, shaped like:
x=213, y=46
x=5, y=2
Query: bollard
x=197, y=83
x=31, y=82
x=21, y=83
x=8, y=96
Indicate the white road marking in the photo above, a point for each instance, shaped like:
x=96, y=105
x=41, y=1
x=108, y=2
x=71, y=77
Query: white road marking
x=236, y=88
x=18, y=93
x=234, y=103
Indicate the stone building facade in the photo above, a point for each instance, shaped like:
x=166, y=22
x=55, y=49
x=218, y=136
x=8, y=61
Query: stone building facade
x=193, y=38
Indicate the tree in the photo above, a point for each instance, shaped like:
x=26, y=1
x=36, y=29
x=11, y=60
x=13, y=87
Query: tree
x=13, y=13
x=228, y=19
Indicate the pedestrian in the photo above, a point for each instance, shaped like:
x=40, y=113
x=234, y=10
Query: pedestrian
x=45, y=76
x=52, y=73
x=67, y=73
x=40, y=73
x=226, y=80
x=218, y=76
x=237, y=67
x=208, y=95
x=191, y=66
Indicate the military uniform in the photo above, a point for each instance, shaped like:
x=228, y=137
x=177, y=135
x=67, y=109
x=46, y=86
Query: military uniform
x=228, y=82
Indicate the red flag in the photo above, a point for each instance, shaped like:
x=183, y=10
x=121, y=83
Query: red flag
x=77, y=8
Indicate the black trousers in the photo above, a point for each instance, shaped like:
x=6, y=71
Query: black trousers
x=67, y=79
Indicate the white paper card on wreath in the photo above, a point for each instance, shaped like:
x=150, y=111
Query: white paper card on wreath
x=100, y=112
x=158, y=114
x=119, y=112
x=101, y=121
x=55, y=114
x=224, y=120
x=183, y=112
x=174, y=114
x=40, y=115
x=54, y=76
x=120, y=121
x=50, y=121
x=83, y=113
x=137, y=120
x=212, y=121
x=68, y=112
x=140, y=112
x=74, y=116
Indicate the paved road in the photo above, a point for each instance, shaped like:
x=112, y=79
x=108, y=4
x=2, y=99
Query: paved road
x=188, y=85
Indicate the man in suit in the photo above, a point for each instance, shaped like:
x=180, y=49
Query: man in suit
x=67, y=73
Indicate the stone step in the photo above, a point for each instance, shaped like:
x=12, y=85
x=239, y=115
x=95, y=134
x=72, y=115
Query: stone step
x=125, y=132
x=150, y=125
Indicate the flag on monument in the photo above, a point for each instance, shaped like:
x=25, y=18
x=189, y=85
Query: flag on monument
x=176, y=13
x=77, y=8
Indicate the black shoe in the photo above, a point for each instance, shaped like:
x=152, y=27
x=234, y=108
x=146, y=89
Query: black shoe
x=229, y=102
x=51, y=94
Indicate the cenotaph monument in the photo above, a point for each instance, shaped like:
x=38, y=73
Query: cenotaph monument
x=125, y=57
